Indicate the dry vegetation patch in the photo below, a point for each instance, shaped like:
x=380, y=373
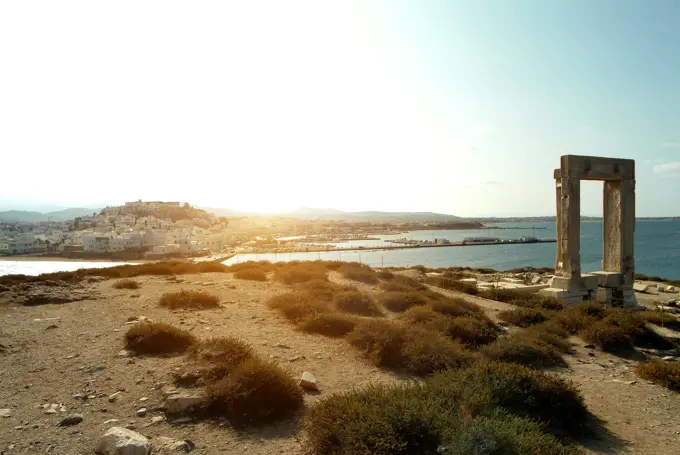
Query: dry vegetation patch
x=189, y=300
x=252, y=274
x=331, y=324
x=356, y=302
x=256, y=392
x=527, y=351
x=666, y=374
x=524, y=317
x=126, y=284
x=399, y=302
x=157, y=338
x=358, y=272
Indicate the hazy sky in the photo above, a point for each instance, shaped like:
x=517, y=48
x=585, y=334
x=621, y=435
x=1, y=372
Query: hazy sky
x=460, y=107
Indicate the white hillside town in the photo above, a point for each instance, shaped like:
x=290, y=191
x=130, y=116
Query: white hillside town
x=140, y=229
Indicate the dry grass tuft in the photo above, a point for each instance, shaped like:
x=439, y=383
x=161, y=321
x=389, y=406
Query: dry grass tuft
x=523, y=350
x=401, y=283
x=256, y=392
x=399, y=302
x=666, y=374
x=156, y=338
x=253, y=274
x=300, y=272
x=358, y=272
x=455, y=306
x=189, y=300
x=471, y=331
x=356, y=302
x=332, y=324
x=126, y=284
x=297, y=306
x=524, y=317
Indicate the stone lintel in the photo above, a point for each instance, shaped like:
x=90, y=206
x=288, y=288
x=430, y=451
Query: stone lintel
x=608, y=279
x=595, y=168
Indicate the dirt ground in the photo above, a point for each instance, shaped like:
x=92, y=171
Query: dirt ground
x=51, y=353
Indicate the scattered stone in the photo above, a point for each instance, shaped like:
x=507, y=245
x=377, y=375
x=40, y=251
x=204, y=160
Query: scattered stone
x=73, y=419
x=631, y=382
x=94, y=369
x=179, y=403
x=143, y=399
x=141, y=412
x=169, y=445
x=5, y=412
x=169, y=391
x=79, y=396
x=110, y=421
x=155, y=420
x=641, y=287
x=668, y=358
x=591, y=354
x=126, y=353
x=589, y=346
x=184, y=419
x=50, y=408
x=296, y=358
x=51, y=326
x=121, y=441
x=281, y=345
x=114, y=397
x=308, y=381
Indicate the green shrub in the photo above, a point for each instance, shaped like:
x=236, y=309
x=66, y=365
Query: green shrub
x=356, y=302
x=547, y=398
x=297, y=306
x=256, y=392
x=377, y=420
x=407, y=348
x=358, y=272
x=666, y=374
x=251, y=274
x=524, y=350
x=189, y=300
x=523, y=317
x=471, y=331
x=399, y=302
x=157, y=338
x=503, y=434
x=331, y=324
x=126, y=284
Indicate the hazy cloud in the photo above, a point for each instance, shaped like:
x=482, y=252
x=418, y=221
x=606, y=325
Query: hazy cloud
x=670, y=145
x=668, y=168
x=481, y=129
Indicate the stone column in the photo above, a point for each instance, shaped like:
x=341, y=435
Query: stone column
x=568, y=264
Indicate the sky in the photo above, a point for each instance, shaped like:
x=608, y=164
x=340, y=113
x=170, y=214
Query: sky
x=449, y=106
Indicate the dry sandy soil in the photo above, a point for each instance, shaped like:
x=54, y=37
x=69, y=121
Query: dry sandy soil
x=50, y=353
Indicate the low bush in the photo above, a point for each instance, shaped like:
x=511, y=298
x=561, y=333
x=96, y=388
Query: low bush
x=358, y=272
x=471, y=331
x=356, y=302
x=256, y=392
x=378, y=420
x=661, y=319
x=320, y=289
x=547, y=398
x=126, y=284
x=523, y=317
x=620, y=330
x=385, y=274
x=663, y=373
x=157, y=338
x=547, y=333
x=300, y=273
x=522, y=350
x=297, y=306
x=455, y=306
x=572, y=320
x=399, y=302
x=189, y=300
x=409, y=349
x=501, y=433
x=331, y=324
x=420, y=315
x=251, y=274
x=265, y=266
x=213, y=359
x=401, y=283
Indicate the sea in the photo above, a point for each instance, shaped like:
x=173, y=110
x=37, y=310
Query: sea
x=657, y=250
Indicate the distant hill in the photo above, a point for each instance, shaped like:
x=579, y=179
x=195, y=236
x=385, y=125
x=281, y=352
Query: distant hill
x=306, y=213
x=59, y=215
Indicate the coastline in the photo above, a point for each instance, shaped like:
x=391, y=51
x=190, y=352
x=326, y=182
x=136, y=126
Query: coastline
x=29, y=258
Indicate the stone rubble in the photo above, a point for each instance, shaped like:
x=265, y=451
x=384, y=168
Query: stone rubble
x=121, y=441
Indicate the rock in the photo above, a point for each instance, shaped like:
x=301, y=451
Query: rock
x=631, y=382
x=5, y=412
x=169, y=445
x=110, y=421
x=281, y=345
x=155, y=420
x=184, y=419
x=114, y=397
x=125, y=353
x=50, y=408
x=4, y=288
x=308, y=381
x=73, y=419
x=121, y=441
x=179, y=403
x=668, y=358
x=641, y=287
x=141, y=412
x=51, y=326
x=589, y=346
x=143, y=399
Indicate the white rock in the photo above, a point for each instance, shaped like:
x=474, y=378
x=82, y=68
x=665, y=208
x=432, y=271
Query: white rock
x=5, y=412
x=114, y=396
x=141, y=412
x=125, y=353
x=176, y=404
x=308, y=381
x=110, y=421
x=169, y=445
x=155, y=420
x=121, y=441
